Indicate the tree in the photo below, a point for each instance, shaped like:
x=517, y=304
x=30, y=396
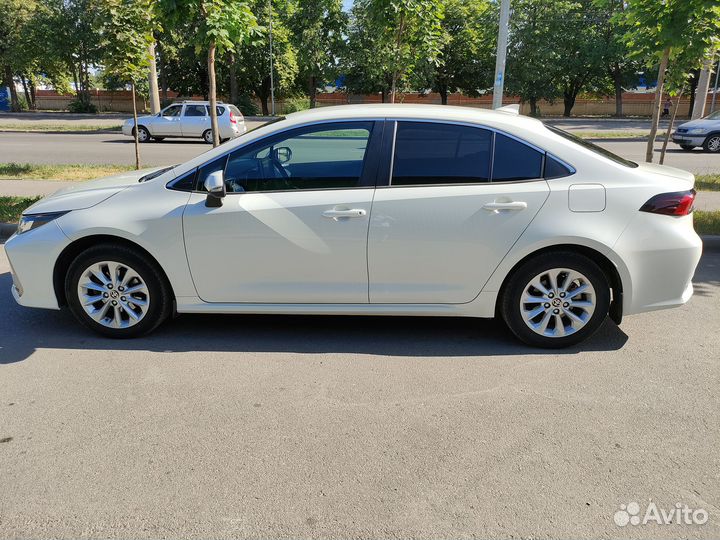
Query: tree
x=127, y=37
x=535, y=63
x=467, y=57
x=253, y=58
x=318, y=28
x=666, y=30
x=216, y=26
x=15, y=16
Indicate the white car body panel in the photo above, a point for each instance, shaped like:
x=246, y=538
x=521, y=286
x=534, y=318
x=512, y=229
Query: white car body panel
x=274, y=252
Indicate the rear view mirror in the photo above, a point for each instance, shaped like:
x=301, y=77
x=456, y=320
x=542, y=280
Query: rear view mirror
x=283, y=154
x=215, y=186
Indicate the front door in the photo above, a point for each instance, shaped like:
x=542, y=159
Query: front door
x=441, y=227
x=168, y=123
x=293, y=226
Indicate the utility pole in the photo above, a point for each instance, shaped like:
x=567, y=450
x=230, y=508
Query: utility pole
x=153, y=81
x=715, y=91
x=702, y=88
x=501, y=54
x=272, y=80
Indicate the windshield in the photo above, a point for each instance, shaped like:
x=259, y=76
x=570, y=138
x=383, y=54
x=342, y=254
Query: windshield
x=713, y=116
x=593, y=147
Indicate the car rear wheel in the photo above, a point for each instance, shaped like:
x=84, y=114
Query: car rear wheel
x=556, y=300
x=143, y=134
x=712, y=143
x=117, y=292
x=686, y=147
x=208, y=136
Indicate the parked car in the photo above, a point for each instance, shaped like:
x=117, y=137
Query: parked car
x=187, y=119
x=371, y=210
x=704, y=132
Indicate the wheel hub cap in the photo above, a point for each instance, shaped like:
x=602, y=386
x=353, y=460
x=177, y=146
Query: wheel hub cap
x=113, y=294
x=557, y=302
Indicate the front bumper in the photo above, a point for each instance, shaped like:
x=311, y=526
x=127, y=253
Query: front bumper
x=687, y=139
x=127, y=129
x=32, y=257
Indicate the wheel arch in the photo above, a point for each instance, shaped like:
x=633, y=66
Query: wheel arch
x=608, y=267
x=72, y=250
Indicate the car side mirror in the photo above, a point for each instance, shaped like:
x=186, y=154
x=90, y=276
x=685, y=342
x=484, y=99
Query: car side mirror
x=215, y=186
x=283, y=154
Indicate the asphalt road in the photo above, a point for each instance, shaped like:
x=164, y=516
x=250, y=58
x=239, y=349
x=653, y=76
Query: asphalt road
x=288, y=427
x=117, y=149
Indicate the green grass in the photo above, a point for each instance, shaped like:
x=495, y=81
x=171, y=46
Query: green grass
x=12, y=207
x=30, y=171
x=707, y=222
x=707, y=182
x=48, y=128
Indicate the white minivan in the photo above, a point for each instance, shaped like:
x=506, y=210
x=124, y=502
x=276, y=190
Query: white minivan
x=187, y=119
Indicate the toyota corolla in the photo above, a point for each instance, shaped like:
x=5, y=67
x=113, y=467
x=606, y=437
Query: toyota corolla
x=371, y=210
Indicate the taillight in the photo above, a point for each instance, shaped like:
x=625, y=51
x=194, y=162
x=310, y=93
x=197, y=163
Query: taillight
x=678, y=203
x=232, y=118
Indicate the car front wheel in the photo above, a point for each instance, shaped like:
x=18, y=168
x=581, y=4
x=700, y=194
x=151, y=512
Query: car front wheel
x=712, y=144
x=117, y=291
x=556, y=300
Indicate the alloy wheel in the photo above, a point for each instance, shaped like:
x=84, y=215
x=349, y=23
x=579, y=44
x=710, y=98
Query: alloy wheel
x=113, y=294
x=557, y=302
x=713, y=143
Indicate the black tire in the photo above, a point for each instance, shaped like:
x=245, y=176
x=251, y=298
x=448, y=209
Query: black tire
x=514, y=289
x=712, y=143
x=686, y=147
x=207, y=136
x=159, y=291
x=143, y=134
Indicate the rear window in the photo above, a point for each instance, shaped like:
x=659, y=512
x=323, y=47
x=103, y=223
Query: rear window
x=235, y=110
x=593, y=147
x=515, y=161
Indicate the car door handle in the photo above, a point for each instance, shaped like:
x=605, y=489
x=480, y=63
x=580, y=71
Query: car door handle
x=513, y=205
x=337, y=214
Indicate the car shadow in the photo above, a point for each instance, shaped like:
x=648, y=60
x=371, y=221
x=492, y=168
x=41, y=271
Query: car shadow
x=129, y=140
x=25, y=330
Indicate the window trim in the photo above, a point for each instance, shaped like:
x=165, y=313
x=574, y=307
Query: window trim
x=494, y=131
x=370, y=169
x=569, y=167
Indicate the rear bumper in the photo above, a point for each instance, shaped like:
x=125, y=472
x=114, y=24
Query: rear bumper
x=661, y=254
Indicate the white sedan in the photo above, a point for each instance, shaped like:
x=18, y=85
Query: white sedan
x=371, y=210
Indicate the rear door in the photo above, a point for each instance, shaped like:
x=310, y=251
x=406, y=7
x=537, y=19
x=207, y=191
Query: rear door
x=194, y=120
x=457, y=199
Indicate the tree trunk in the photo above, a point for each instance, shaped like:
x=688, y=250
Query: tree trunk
x=383, y=95
x=32, y=94
x=693, y=81
x=14, y=102
x=232, y=72
x=212, y=95
x=698, y=109
x=618, y=92
x=153, y=80
x=396, y=67
x=163, y=73
x=533, y=106
x=135, y=120
x=670, y=127
x=312, y=91
x=443, y=91
x=26, y=91
x=568, y=103
x=656, y=105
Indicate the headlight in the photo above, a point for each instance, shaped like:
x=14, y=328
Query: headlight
x=697, y=130
x=33, y=221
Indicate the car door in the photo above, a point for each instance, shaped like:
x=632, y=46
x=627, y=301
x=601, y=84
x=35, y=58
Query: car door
x=195, y=120
x=440, y=226
x=293, y=225
x=167, y=123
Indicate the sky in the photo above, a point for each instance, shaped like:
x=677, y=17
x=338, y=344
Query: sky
x=347, y=4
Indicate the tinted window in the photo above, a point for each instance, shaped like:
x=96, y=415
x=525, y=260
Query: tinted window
x=594, y=147
x=427, y=153
x=173, y=110
x=323, y=157
x=184, y=183
x=195, y=110
x=515, y=160
x=555, y=169
x=219, y=110
x=205, y=170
